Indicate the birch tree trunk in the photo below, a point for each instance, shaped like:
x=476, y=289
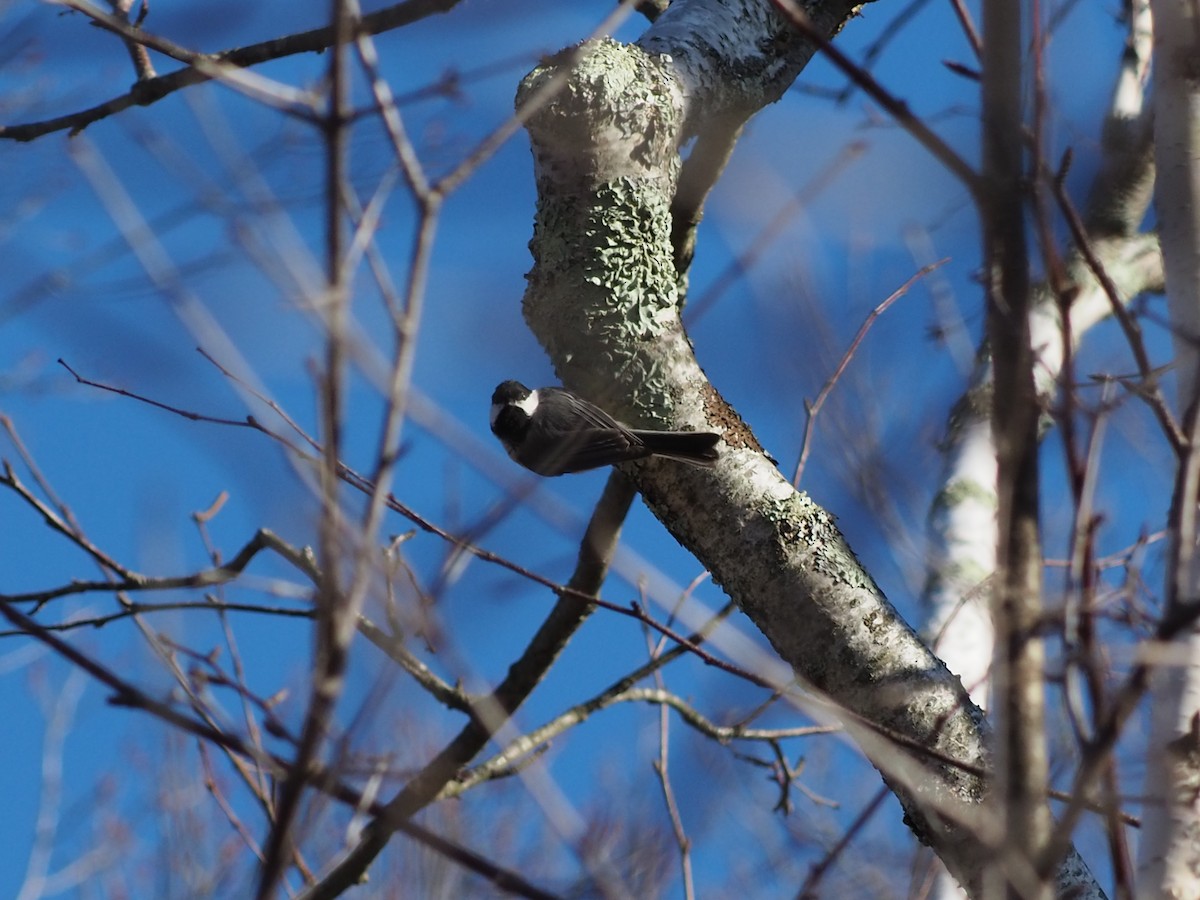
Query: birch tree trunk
x=1169, y=863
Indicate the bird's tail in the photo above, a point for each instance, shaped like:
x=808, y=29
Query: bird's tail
x=696, y=447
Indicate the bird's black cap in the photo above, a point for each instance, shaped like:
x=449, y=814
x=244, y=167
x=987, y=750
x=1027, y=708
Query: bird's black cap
x=510, y=391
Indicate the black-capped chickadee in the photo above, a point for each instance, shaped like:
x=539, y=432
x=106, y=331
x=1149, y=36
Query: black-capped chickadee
x=552, y=432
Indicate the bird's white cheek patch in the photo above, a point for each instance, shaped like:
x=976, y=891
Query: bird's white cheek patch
x=529, y=404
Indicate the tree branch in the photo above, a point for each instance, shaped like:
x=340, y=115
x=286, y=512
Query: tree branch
x=206, y=66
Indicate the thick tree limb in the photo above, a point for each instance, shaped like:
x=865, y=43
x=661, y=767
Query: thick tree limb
x=602, y=301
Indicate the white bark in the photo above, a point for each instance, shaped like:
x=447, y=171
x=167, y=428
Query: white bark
x=963, y=557
x=1169, y=858
x=962, y=520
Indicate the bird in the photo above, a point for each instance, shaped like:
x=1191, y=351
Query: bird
x=551, y=431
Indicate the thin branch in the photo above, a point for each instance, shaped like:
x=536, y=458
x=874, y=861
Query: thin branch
x=970, y=30
x=271, y=93
x=59, y=717
x=1148, y=388
x=179, y=411
x=623, y=690
x=682, y=841
x=255, y=779
x=814, y=409
x=595, y=553
x=136, y=609
x=145, y=93
x=808, y=890
x=127, y=695
x=263, y=539
x=61, y=525
x=893, y=105
x=210, y=784
x=758, y=244
x=142, y=67
x=445, y=693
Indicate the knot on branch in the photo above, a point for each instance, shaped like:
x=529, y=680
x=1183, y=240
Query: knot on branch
x=601, y=111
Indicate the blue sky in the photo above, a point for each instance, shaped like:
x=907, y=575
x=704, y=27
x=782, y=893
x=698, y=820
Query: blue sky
x=195, y=166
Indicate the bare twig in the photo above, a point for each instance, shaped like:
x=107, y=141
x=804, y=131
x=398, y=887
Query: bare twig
x=970, y=31
x=491, y=712
x=60, y=714
x=682, y=841
x=62, y=526
x=147, y=92
x=129, y=580
x=757, y=245
x=808, y=890
x=126, y=694
x=137, y=609
x=271, y=93
x=1148, y=388
x=813, y=409
x=894, y=106
x=142, y=67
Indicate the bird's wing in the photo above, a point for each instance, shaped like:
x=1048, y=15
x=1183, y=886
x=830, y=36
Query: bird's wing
x=596, y=447
x=582, y=435
x=573, y=410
